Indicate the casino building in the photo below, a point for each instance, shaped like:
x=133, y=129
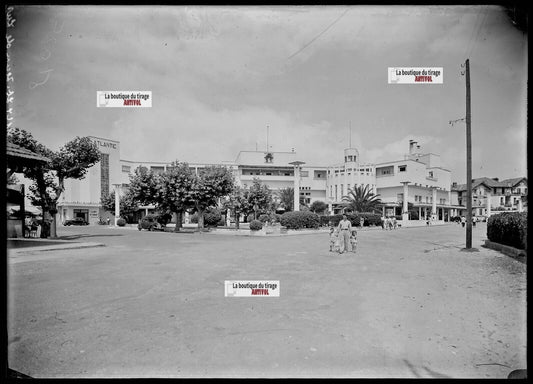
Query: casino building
x=417, y=183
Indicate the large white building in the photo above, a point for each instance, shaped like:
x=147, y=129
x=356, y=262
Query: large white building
x=416, y=187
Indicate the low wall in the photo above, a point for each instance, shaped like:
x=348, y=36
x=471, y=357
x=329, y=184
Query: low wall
x=515, y=253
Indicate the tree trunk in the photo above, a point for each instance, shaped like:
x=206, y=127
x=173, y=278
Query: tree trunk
x=237, y=217
x=200, y=219
x=179, y=216
x=53, y=225
x=43, y=234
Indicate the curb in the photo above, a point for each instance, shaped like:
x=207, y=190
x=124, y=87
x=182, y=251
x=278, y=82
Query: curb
x=58, y=247
x=515, y=253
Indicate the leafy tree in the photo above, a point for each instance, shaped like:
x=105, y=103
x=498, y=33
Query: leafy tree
x=174, y=191
x=318, y=207
x=143, y=186
x=258, y=196
x=71, y=161
x=127, y=203
x=362, y=199
x=211, y=184
x=236, y=203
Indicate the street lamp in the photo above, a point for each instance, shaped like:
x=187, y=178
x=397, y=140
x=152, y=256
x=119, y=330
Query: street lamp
x=117, y=202
x=297, y=184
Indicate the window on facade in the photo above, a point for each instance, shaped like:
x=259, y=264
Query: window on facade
x=430, y=173
x=126, y=168
x=104, y=174
x=402, y=168
x=268, y=173
x=336, y=193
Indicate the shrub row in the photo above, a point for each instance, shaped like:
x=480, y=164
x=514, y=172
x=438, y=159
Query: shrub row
x=509, y=228
x=355, y=219
x=300, y=219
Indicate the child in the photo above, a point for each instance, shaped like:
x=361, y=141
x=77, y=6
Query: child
x=333, y=240
x=353, y=240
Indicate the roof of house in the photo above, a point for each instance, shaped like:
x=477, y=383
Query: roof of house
x=512, y=182
x=489, y=183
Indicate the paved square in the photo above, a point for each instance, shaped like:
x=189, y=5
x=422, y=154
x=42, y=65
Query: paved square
x=408, y=304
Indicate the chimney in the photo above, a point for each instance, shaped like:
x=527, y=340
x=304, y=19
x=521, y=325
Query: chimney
x=495, y=179
x=412, y=144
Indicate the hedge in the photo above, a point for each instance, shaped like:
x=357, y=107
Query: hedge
x=509, y=228
x=121, y=222
x=355, y=219
x=300, y=219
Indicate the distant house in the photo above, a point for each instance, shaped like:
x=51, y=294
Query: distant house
x=491, y=195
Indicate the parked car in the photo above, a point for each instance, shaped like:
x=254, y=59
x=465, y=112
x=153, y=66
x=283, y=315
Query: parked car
x=151, y=223
x=76, y=221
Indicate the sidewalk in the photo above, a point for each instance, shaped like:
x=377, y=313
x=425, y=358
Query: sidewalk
x=17, y=246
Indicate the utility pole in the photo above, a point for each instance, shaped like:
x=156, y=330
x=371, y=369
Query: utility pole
x=468, y=160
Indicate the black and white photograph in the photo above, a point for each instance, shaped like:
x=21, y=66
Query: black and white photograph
x=268, y=191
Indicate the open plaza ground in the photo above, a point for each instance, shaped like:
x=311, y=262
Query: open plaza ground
x=409, y=303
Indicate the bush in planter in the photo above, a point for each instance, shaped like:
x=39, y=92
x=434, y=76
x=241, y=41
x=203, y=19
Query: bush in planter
x=509, y=228
x=121, y=222
x=212, y=216
x=300, y=219
x=256, y=225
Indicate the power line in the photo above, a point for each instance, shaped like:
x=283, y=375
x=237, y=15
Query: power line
x=475, y=32
x=320, y=34
x=478, y=31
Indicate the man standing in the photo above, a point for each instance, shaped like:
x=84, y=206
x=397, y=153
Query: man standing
x=345, y=230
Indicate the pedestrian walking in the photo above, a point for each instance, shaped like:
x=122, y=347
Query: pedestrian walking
x=383, y=221
x=108, y=220
x=362, y=222
x=474, y=220
x=463, y=221
x=345, y=229
x=394, y=223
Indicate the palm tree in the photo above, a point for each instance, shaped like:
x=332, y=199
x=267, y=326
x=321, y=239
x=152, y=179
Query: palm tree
x=286, y=198
x=361, y=199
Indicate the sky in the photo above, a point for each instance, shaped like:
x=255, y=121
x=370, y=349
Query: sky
x=220, y=75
